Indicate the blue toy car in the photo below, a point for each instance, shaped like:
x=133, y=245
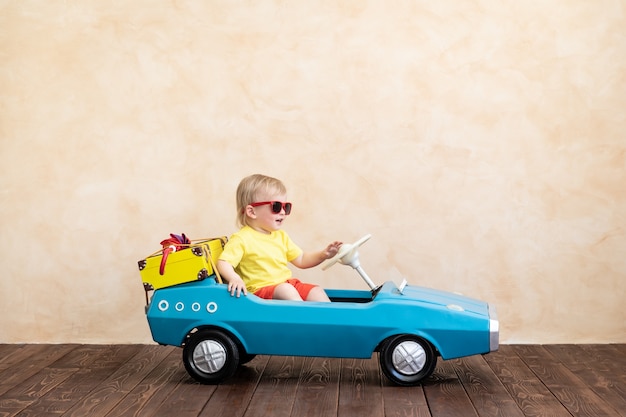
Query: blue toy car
x=409, y=326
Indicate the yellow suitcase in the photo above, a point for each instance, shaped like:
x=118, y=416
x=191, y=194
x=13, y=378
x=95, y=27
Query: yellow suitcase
x=194, y=263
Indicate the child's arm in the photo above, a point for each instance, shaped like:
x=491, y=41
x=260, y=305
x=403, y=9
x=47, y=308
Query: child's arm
x=235, y=283
x=311, y=259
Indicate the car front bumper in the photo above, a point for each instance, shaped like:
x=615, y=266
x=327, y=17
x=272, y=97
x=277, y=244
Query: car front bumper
x=494, y=329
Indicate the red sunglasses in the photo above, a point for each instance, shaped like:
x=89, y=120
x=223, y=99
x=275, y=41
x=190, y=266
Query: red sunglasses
x=277, y=206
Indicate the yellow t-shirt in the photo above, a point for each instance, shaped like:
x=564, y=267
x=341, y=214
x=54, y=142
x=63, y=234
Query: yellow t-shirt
x=260, y=259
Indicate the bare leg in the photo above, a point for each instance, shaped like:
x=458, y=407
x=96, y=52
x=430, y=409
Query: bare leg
x=286, y=291
x=317, y=294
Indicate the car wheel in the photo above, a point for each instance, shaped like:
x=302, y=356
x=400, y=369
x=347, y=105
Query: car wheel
x=245, y=358
x=407, y=359
x=210, y=356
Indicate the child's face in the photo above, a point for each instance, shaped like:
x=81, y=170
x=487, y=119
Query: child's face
x=262, y=219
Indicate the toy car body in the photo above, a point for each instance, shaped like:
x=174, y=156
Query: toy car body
x=409, y=326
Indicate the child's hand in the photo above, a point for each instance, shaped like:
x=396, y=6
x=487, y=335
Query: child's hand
x=236, y=286
x=311, y=259
x=332, y=249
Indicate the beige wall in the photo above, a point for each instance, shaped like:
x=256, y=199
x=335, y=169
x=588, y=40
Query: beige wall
x=482, y=143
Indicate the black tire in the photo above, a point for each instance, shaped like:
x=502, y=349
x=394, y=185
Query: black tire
x=210, y=356
x=245, y=358
x=407, y=360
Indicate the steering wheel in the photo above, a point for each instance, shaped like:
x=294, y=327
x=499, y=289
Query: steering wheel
x=346, y=254
x=349, y=255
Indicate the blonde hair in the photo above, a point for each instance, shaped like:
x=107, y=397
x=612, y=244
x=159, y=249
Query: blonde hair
x=249, y=189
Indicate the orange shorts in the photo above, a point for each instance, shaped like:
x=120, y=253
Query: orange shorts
x=302, y=288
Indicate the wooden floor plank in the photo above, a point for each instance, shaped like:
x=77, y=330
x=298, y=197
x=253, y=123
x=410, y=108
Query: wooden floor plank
x=28, y=361
x=318, y=387
x=232, y=398
x=95, y=364
x=446, y=395
x=404, y=401
x=275, y=392
x=608, y=358
x=530, y=394
x=151, y=381
x=570, y=390
x=12, y=354
x=147, y=396
x=609, y=383
x=187, y=399
x=489, y=396
x=6, y=350
x=30, y=390
x=360, y=391
x=114, y=388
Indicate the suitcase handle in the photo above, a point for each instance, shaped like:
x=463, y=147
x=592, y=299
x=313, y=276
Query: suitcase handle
x=166, y=253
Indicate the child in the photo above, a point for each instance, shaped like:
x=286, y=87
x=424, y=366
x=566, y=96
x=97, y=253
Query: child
x=255, y=258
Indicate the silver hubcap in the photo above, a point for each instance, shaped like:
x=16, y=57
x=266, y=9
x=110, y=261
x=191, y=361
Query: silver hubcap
x=409, y=358
x=209, y=356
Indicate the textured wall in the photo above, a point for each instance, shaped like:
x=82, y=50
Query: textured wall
x=481, y=143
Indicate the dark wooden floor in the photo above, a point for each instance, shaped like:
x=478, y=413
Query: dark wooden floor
x=150, y=380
